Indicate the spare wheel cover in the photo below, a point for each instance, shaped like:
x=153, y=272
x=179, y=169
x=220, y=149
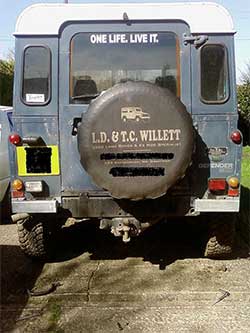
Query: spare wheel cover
x=136, y=140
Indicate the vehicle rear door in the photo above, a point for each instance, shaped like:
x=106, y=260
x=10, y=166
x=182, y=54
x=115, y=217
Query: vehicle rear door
x=99, y=55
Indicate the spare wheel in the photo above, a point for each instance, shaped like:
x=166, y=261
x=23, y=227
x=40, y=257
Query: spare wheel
x=136, y=140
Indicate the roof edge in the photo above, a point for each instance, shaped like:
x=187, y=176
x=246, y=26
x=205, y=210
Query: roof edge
x=217, y=14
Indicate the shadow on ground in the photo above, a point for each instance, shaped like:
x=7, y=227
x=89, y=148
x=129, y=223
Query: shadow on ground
x=18, y=273
x=5, y=209
x=161, y=244
x=243, y=223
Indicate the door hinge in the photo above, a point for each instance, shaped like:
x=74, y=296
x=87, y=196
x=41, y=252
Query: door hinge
x=197, y=41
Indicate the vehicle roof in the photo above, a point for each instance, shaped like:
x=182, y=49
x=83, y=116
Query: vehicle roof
x=46, y=19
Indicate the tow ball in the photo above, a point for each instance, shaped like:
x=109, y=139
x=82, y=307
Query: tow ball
x=123, y=227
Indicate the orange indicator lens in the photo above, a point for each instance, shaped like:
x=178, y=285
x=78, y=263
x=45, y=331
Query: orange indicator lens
x=17, y=185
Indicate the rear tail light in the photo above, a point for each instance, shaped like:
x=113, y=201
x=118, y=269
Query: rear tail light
x=233, y=192
x=17, y=185
x=17, y=189
x=217, y=185
x=236, y=137
x=15, y=139
x=17, y=194
x=233, y=182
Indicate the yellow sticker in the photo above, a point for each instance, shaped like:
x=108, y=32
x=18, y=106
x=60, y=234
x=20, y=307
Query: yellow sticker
x=22, y=153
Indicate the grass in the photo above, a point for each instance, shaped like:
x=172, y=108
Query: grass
x=55, y=312
x=245, y=181
x=245, y=167
x=244, y=216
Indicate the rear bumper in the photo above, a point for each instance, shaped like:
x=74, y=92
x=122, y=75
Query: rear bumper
x=84, y=206
x=212, y=205
x=106, y=207
x=35, y=206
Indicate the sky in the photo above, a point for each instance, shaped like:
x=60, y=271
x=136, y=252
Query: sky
x=239, y=9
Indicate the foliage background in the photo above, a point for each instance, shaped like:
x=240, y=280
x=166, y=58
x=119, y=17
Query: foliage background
x=6, y=80
x=243, y=92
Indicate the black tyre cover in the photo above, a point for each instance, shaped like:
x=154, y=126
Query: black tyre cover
x=136, y=140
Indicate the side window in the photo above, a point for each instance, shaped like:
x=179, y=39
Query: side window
x=214, y=74
x=36, y=75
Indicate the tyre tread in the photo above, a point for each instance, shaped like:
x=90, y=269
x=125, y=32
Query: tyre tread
x=221, y=240
x=31, y=237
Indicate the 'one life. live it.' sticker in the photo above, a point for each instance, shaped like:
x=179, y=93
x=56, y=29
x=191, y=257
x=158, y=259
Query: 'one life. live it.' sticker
x=35, y=98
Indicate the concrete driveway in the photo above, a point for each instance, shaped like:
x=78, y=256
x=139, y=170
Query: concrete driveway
x=158, y=283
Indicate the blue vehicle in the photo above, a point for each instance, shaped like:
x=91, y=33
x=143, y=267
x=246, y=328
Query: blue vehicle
x=5, y=128
x=126, y=113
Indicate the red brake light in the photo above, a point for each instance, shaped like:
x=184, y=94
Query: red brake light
x=236, y=137
x=217, y=185
x=17, y=194
x=233, y=192
x=15, y=139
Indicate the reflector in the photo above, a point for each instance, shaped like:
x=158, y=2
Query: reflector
x=15, y=139
x=236, y=137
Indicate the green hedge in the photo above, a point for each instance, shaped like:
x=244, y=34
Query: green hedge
x=243, y=93
x=6, y=82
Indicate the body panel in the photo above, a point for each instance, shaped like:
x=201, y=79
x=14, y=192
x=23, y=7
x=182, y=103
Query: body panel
x=68, y=185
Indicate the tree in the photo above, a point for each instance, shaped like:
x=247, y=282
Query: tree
x=243, y=92
x=6, y=80
x=245, y=76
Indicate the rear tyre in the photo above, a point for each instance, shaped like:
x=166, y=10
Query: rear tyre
x=221, y=239
x=32, y=237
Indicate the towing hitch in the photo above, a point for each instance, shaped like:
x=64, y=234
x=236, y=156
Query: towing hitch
x=125, y=227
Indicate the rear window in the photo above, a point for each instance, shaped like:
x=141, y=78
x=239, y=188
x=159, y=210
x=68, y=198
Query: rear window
x=101, y=60
x=36, y=75
x=214, y=74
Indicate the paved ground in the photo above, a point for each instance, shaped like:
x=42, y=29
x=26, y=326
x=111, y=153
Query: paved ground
x=159, y=283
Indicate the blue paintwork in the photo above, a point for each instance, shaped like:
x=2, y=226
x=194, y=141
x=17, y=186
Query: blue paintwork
x=53, y=122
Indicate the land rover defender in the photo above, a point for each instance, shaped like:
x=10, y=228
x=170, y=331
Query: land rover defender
x=133, y=113
x=125, y=113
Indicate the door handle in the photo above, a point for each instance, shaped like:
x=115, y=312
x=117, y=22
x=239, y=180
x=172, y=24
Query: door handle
x=76, y=121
